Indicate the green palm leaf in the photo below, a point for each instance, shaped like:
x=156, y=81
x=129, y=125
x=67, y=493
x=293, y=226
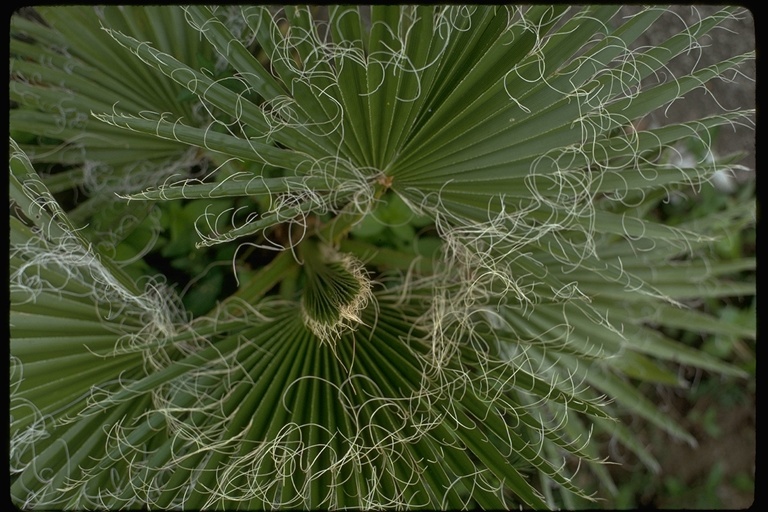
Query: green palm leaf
x=465, y=280
x=67, y=69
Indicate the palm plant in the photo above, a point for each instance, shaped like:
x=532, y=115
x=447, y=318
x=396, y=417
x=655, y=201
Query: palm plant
x=449, y=279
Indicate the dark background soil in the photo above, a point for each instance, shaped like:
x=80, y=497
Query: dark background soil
x=735, y=37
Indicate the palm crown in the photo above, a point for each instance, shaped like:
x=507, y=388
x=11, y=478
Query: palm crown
x=458, y=280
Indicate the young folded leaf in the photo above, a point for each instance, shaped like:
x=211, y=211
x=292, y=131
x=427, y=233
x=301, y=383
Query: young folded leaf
x=336, y=291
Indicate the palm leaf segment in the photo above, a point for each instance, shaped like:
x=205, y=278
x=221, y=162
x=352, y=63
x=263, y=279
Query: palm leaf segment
x=67, y=68
x=457, y=386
